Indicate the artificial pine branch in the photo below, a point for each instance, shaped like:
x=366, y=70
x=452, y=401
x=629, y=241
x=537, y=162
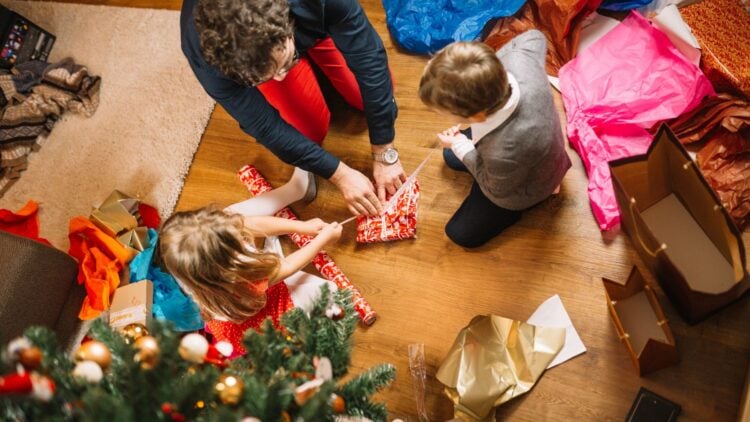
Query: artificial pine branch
x=277, y=363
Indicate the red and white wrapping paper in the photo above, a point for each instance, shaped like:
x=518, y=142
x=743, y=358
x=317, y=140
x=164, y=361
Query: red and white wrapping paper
x=257, y=185
x=398, y=221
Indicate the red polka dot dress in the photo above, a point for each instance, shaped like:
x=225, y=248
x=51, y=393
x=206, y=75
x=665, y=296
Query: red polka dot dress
x=278, y=301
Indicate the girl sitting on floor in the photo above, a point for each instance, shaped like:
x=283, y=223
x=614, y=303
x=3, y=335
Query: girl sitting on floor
x=212, y=254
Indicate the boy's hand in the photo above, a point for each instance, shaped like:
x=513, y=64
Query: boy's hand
x=331, y=233
x=451, y=135
x=314, y=226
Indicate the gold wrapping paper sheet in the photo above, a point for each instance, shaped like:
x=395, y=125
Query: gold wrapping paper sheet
x=493, y=360
x=117, y=216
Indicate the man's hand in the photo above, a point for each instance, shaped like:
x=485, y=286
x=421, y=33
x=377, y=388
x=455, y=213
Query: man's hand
x=358, y=191
x=451, y=135
x=388, y=178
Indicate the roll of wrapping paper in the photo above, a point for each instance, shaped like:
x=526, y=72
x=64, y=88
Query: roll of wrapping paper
x=257, y=185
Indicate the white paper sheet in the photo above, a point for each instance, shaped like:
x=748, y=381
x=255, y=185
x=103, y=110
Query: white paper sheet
x=552, y=313
x=594, y=27
x=670, y=22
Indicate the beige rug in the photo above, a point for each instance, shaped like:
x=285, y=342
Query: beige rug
x=149, y=123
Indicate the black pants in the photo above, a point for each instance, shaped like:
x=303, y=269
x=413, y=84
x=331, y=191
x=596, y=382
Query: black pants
x=478, y=219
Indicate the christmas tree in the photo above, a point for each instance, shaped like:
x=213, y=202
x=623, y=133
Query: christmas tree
x=145, y=374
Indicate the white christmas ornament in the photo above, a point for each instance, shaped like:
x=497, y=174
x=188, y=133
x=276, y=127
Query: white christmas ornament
x=226, y=349
x=88, y=371
x=193, y=348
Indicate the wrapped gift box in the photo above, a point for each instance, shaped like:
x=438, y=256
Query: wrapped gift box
x=640, y=323
x=679, y=228
x=132, y=303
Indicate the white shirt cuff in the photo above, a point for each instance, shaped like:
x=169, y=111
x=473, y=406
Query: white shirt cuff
x=462, y=147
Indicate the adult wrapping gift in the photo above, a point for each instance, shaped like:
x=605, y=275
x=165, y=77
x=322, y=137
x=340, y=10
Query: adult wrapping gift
x=170, y=303
x=627, y=81
x=425, y=26
x=397, y=222
x=493, y=360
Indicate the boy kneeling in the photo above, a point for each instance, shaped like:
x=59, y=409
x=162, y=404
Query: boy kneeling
x=515, y=148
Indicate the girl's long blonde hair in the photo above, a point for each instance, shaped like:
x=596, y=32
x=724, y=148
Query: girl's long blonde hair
x=212, y=253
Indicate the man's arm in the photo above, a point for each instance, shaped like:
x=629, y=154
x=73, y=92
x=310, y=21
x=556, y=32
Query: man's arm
x=365, y=55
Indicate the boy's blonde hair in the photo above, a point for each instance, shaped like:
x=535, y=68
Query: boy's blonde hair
x=465, y=78
x=211, y=252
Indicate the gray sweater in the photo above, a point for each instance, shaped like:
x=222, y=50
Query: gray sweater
x=521, y=162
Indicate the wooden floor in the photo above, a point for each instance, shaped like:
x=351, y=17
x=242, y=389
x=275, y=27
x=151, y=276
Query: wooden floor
x=426, y=290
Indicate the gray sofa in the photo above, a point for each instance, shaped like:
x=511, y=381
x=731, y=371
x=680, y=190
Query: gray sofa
x=38, y=287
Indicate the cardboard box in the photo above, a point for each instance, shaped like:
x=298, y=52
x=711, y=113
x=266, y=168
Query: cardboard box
x=679, y=228
x=132, y=303
x=22, y=40
x=640, y=323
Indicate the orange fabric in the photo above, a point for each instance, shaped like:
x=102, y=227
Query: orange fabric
x=278, y=301
x=722, y=28
x=100, y=259
x=24, y=223
x=559, y=20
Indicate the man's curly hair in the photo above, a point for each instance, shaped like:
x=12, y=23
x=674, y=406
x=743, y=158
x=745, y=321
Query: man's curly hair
x=238, y=36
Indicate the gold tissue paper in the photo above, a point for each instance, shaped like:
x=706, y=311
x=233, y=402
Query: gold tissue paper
x=118, y=217
x=493, y=360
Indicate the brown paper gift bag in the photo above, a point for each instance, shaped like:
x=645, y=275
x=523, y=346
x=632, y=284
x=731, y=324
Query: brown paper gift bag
x=679, y=228
x=640, y=323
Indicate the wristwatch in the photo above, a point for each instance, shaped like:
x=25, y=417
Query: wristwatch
x=389, y=156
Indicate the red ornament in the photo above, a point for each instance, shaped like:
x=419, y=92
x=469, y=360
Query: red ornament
x=178, y=417
x=38, y=386
x=337, y=404
x=166, y=408
x=215, y=357
x=16, y=384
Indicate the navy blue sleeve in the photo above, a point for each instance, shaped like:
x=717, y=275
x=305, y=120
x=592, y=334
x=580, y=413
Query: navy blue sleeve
x=365, y=55
x=254, y=114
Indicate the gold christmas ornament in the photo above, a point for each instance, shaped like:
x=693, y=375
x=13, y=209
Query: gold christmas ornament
x=133, y=332
x=94, y=351
x=230, y=389
x=147, y=352
x=30, y=358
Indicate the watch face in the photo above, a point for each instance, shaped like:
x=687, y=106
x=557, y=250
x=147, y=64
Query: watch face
x=390, y=156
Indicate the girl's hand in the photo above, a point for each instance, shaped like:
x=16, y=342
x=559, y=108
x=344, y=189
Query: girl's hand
x=314, y=226
x=331, y=233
